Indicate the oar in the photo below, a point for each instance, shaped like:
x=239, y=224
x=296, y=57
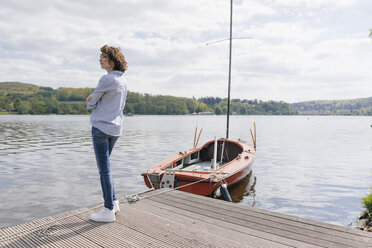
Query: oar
x=254, y=136
x=196, y=129
x=198, y=137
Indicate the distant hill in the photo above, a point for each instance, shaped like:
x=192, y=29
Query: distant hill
x=360, y=106
x=25, y=98
x=19, y=87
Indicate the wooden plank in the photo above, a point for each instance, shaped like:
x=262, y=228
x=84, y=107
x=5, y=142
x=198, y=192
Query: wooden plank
x=210, y=225
x=176, y=230
x=22, y=229
x=261, y=236
x=63, y=238
x=14, y=244
x=274, y=228
x=110, y=234
x=135, y=236
x=167, y=232
x=25, y=241
x=274, y=214
x=164, y=218
x=339, y=234
x=311, y=232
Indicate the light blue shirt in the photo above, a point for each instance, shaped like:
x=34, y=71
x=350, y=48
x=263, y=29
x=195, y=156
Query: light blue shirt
x=108, y=101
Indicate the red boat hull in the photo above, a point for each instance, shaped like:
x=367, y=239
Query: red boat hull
x=200, y=182
x=207, y=188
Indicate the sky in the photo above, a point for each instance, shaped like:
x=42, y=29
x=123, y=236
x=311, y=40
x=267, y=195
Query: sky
x=284, y=50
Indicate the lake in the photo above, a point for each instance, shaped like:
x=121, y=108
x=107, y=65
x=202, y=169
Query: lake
x=315, y=167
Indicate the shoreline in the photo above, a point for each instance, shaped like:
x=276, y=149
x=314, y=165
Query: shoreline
x=364, y=222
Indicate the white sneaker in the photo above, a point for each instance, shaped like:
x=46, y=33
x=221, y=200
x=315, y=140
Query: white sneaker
x=106, y=215
x=116, y=206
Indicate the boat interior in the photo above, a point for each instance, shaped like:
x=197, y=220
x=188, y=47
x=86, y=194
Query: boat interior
x=202, y=160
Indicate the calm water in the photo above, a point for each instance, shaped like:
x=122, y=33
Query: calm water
x=313, y=167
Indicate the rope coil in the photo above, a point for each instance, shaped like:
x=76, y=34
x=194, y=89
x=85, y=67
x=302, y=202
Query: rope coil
x=48, y=231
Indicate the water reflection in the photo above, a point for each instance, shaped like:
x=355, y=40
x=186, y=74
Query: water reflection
x=244, y=190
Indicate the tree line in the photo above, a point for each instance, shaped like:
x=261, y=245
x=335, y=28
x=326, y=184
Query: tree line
x=21, y=98
x=31, y=99
x=361, y=106
x=245, y=107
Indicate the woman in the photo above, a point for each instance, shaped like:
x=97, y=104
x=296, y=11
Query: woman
x=107, y=102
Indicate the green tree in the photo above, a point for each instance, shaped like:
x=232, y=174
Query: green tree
x=16, y=103
x=191, y=105
x=24, y=107
x=218, y=110
x=51, y=105
x=128, y=108
x=63, y=94
x=202, y=107
x=37, y=106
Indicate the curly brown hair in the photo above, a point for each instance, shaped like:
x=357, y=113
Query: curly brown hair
x=114, y=54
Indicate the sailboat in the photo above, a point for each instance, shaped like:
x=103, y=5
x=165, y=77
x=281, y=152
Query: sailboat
x=215, y=166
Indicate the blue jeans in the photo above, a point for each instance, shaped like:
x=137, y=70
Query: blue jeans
x=103, y=145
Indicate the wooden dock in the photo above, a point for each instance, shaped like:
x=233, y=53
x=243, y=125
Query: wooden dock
x=164, y=218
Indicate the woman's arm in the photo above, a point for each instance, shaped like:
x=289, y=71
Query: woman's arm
x=97, y=94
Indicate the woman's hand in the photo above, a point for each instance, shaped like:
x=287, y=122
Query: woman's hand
x=89, y=98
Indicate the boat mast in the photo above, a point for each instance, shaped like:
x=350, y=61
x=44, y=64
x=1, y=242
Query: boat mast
x=228, y=95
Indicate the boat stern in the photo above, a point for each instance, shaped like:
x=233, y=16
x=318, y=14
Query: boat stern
x=152, y=180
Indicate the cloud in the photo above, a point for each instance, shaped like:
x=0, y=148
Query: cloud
x=315, y=4
x=299, y=50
